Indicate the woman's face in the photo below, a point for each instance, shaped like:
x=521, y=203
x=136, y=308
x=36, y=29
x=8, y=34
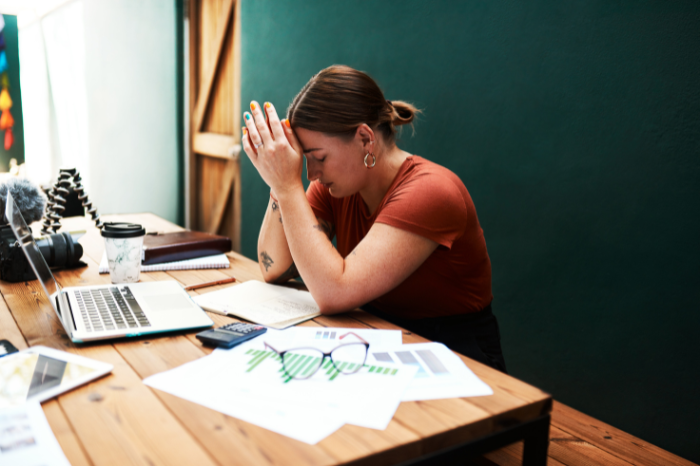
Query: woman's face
x=335, y=162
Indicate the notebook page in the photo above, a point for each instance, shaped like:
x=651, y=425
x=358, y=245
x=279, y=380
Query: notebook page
x=262, y=303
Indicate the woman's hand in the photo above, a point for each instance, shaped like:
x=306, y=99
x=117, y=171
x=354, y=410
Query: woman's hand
x=272, y=148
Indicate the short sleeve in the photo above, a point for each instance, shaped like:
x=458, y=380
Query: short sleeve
x=429, y=205
x=320, y=200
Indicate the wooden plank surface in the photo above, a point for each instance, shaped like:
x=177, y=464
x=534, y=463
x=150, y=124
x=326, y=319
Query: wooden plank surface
x=118, y=420
x=222, y=146
x=614, y=441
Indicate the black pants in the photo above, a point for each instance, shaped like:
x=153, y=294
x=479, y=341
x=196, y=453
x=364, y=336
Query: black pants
x=474, y=335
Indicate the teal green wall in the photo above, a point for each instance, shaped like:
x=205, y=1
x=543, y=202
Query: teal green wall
x=576, y=128
x=12, y=52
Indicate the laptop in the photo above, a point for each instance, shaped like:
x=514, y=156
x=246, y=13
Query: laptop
x=100, y=312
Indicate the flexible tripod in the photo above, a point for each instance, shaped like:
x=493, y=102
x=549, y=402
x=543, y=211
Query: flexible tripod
x=69, y=181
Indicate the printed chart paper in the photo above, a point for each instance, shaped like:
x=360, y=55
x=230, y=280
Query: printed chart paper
x=441, y=373
x=250, y=383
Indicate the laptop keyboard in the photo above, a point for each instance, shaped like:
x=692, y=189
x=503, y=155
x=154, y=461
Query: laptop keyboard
x=108, y=309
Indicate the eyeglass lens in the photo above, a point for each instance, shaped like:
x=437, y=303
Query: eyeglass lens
x=349, y=358
x=302, y=363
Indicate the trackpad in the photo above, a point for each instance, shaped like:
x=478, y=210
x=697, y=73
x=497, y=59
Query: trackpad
x=167, y=302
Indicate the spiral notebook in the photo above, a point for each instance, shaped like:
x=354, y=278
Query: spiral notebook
x=218, y=261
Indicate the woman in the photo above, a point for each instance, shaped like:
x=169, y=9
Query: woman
x=409, y=245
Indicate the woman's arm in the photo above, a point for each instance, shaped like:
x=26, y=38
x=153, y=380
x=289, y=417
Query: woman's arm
x=275, y=260
x=382, y=260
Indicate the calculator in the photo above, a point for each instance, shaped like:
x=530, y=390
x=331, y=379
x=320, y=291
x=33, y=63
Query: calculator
x=230, y=335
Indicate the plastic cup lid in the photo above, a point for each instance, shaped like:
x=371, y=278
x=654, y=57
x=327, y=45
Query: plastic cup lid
x=122, y=230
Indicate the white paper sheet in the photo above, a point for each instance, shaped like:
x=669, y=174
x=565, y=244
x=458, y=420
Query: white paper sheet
x=207, y=381
x=441, y=373
x=26, y=438
x=247, y=382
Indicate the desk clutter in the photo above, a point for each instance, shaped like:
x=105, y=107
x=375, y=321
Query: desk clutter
x=160, y=427
x=182, y=250
x=270, y=381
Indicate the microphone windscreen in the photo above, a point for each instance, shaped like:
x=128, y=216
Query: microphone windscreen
x=29, y=198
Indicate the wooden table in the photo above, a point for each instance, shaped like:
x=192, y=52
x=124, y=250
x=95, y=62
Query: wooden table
x=118, y=420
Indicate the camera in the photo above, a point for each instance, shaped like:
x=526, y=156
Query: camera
x=59, y=250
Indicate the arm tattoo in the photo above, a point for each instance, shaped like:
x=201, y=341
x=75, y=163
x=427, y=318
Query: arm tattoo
x=290, y=273
x=280, y=219
x=274, y=206
x=266, y=260
x=325, y=227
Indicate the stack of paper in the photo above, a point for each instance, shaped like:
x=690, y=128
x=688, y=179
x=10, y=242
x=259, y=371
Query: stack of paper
x=249, y=383
x=218, y=261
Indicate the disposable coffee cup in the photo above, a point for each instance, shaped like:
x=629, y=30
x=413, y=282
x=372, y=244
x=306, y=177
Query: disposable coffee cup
x=123, y=244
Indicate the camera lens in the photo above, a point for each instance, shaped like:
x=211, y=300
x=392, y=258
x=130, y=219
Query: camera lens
x=60, y=250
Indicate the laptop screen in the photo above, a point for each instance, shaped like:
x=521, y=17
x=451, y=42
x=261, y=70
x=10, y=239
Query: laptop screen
x=31, y=250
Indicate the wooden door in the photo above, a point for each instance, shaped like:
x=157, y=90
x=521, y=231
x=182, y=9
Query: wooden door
x=215, y=116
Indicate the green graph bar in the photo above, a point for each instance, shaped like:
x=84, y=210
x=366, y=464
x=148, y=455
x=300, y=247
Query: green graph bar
x=256, y=355
x=351, y=365
x=328, y=361
x=298, y=365
x=310, y=366
x=371, y=369
x=386, y=371
x=289, y=359
x=394, y=372
x=259, y=360
x=340, y=368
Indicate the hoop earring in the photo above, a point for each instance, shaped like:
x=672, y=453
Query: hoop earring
x=374, y=160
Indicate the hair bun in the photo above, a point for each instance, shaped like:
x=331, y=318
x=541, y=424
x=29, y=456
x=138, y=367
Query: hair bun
x=403, y=112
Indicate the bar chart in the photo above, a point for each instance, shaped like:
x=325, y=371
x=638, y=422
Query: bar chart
x=302, y=365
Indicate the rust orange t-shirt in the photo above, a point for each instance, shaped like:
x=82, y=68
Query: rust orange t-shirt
x=429, y=200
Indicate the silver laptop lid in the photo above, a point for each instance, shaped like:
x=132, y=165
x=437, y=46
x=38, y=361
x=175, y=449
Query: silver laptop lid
x=31, y=250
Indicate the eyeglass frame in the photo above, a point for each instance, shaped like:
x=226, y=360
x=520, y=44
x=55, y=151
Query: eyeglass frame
x=325, y=355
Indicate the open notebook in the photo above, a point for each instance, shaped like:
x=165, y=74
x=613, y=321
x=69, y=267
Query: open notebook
x=219, y=261
x=269, y=305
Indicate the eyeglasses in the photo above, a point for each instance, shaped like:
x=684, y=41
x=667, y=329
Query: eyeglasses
x=302, y=363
